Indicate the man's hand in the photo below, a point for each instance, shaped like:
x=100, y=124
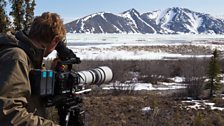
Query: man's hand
x=64, y=53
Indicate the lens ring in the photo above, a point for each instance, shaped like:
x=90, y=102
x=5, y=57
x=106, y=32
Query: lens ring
x=97, y=76
x=101, y=76
x=91, y=72
x=84, y=79
x=103, y=80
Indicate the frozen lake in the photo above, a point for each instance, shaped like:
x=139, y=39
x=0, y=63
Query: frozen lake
x=150, y=39
x=141, y=46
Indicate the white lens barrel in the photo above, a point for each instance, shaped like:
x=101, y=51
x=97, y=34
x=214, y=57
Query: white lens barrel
x=107, y=74
x=86, y=77
x=98, y=75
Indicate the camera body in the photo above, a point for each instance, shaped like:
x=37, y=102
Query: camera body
x=42, y=82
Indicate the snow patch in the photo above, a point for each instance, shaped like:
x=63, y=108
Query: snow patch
x=202, y=104
x=146, y=109
x=143, y=86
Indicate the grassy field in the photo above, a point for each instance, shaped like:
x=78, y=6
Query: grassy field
x=112, y=108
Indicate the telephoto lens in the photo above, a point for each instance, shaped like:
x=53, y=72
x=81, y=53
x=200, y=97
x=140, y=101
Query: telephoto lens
x=96, y=76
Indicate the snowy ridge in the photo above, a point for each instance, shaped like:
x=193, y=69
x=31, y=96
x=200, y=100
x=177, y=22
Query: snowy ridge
x=130, y=20
x=169, y=21
x=154, y=14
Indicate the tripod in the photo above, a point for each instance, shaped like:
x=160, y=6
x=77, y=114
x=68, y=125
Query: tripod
x=70, y=112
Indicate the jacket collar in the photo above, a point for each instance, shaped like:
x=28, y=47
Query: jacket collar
x=35, y=54
x=22, y=41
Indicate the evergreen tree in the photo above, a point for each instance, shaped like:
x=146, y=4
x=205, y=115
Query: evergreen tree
x=22, y=13
x=4, y=20
x=213, y=74
x=29, y=13
x=18, y=13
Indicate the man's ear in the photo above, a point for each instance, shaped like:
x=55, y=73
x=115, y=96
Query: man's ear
x=55, y=40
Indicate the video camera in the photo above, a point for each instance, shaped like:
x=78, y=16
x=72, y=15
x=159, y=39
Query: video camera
x=65, y=80
x=62, y=87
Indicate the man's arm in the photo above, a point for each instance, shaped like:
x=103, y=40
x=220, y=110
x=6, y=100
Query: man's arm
x=14, y=91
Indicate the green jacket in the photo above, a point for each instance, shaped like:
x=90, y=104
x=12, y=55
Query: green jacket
x=17, y=106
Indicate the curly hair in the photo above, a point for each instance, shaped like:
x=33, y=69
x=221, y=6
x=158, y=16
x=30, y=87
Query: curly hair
x=45, y=27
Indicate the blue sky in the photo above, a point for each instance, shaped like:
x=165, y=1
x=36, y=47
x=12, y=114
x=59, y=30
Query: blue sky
x=73, y=9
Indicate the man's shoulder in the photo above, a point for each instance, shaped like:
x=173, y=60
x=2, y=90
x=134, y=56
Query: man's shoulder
x=13, y=53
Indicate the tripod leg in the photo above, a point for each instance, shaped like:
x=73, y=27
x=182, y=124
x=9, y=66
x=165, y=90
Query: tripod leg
x=77, y=117
x=67, y=118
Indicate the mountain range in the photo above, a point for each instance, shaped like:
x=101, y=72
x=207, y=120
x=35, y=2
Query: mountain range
x=169, y=21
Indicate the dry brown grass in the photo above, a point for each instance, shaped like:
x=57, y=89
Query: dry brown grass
x=126, y=110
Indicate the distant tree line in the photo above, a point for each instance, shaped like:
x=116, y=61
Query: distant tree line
x=19, y=17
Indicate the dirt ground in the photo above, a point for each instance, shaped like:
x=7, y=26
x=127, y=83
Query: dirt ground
x=127, y=110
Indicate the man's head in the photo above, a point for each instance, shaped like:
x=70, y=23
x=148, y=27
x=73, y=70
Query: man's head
x=47, y=30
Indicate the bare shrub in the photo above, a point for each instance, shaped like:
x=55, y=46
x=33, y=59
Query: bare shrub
x=219, y=102
x=195, y=72
x=195, y=87
x=123, y=88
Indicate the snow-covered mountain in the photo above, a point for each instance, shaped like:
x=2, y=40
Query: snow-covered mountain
x=170, y=21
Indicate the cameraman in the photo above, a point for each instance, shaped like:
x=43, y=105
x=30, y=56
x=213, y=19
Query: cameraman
x=18, y=54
